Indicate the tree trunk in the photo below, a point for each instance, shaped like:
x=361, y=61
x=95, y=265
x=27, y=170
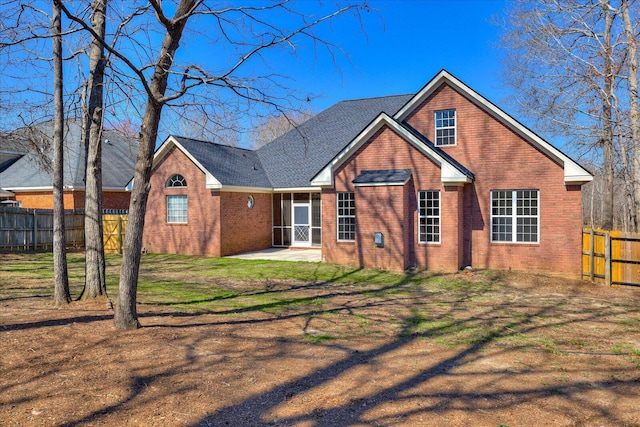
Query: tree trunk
x=634, y=114
x=607, y=122
x=95, y=280
x=61, y=294
x=126, y=316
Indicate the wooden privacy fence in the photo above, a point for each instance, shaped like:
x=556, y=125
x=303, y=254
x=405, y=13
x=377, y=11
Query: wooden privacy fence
x=612, y=257
x=32, y=229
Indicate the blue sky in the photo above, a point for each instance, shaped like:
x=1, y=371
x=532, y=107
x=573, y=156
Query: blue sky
x=405, y=44
x=399, y=48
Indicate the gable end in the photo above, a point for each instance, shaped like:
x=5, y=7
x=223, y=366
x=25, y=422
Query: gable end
x=574, y=174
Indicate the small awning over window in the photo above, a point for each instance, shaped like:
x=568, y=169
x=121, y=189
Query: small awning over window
x=383, y=177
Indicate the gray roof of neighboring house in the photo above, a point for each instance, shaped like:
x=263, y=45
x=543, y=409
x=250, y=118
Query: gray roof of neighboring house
x=34, y=170
x=294, y=158
x=230, y=165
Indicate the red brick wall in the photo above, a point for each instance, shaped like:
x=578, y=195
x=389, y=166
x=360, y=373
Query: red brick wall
x=72, y=199
x=244, y=229
x=44, y=199
x=501, y=160
x=201, y=234
x=115, y=199
x=381, y=209
x=218, y=223
x=386, y=150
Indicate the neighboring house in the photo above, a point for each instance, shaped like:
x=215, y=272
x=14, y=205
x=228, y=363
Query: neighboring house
x=26, y=160
x=438, y=180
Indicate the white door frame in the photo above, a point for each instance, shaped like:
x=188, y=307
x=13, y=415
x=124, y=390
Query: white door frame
x=294, y=240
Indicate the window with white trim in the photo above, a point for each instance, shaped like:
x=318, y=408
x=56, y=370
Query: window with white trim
x=515, y=216
x=346, y=216
x=176, y=180
x=429, y=216
x=445, y=127
x=177, y=209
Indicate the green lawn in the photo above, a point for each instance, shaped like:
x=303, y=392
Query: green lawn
x=285, y=339
x=454, y=309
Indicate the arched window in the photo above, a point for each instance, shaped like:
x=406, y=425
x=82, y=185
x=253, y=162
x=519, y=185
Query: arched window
x=176, y=180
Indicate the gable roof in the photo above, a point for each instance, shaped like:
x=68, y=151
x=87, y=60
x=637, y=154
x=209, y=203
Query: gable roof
x=32, y=171
x=451, y=172
x=292, y=160
x=573, y=172
x=224, y=167
x=306, y=156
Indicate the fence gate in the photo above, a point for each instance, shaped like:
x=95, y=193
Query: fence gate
x=114, y=227
x=611, y=256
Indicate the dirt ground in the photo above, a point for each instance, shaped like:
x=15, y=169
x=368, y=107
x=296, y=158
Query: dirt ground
x=566, y=354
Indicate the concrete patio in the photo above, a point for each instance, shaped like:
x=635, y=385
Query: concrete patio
x=283, y=254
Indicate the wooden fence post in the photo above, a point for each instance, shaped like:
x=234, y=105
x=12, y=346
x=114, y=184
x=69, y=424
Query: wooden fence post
x=119, y=231
x=592, y=258
x=35, y=230
x=607, y=258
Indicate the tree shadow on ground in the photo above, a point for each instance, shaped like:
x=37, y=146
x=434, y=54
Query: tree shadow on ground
x=453, y=332
x=262, y=409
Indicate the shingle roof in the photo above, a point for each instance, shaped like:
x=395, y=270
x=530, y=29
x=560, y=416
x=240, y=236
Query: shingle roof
x=439, y=150
x=294, y=158
x=31, y=170
x=391, y=176
x=230, y=165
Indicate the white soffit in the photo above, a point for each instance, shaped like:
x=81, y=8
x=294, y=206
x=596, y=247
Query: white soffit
x=573, y=172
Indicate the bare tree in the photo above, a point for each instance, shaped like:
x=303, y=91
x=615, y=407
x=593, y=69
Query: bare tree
x=564, y=64
x=634, y=113
x=197, y=123
x=607, y=96
x=95, y=277
x=61, y=293
x=164, y=82
x=276, y=126
x=126, y=127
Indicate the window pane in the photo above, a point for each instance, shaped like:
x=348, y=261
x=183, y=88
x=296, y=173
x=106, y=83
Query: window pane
x=277, y=237
x=286, y=209
x=445, y=127
x=514, y=209
x=176, y=181
x=501, y=230
x=286, y=236
x=300, y=197
x=277, y=210
x=316, y=236
x=429, y=216
x=177, y=209
x=346, y=210
x=527, y=229
x=316, y=213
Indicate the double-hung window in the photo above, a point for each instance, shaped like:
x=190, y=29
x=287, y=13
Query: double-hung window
x=346, y=216
x=429, y=216
x=445, y=127
x=177, y=209
x=515, y=216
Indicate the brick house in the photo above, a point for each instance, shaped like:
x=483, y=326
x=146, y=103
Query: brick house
x=439, y=180
x=26, y=177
